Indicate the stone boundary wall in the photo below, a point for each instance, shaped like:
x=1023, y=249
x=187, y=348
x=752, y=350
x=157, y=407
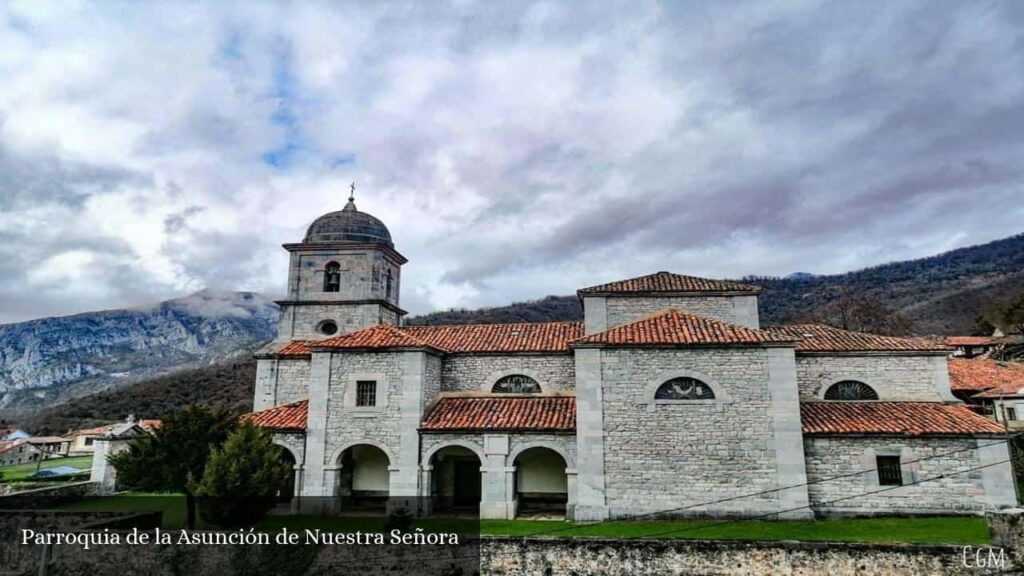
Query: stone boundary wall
x=50, y=496
x=621, y=557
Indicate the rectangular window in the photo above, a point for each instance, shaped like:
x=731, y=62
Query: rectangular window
x=366, y=393
x=1011, y=413
x=889, y=473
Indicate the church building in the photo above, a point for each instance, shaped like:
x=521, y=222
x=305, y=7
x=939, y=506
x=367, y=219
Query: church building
x=669, y=399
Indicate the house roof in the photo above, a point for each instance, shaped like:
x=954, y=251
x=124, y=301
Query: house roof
x=47, y=439
x=520, y=337
x=968, y=340
x=674, y=328
x=979, y=374
x=821, y=338
x=97, y=431
x=893, y=418
x=286, y=417
x=668, y=282
x=508, y=413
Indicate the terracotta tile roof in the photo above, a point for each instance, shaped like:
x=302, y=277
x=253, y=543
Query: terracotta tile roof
x=668, y=282
x=821, y=338
x=381, y=336
x=674, y=328
x=284, y=417
x=968, y=340
x=992, y=378
x=97, y=431
x=893, y=418
x=150, y=423
x=523, y=337
x=296, y=348
x=547, y=413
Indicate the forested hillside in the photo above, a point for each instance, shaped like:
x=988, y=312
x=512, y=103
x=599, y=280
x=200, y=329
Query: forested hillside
x=227, y=385
x=938, y=295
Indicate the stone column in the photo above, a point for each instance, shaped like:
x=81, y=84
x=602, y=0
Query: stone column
x=1000, y=491
x=570, y=487
x=404, y=485
x=102, y=470
x=590, y=493
x=495, y=499
x=319, y=481
x=787, y=434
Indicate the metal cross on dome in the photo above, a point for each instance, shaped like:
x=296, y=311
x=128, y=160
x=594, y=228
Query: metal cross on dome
x=352, y=191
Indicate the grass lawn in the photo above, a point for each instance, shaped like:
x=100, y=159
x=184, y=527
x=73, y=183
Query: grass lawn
x=933, y=530
x=22, y=471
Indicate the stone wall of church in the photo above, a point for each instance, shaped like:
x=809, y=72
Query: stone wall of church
x=660, y=457
x=852, y=461
x=472, y=372
x=741, y=310
x=301, y=322
x=432, y=380
x=892, y=377
x=363, y=275
x=347, y=423
x=280, y=381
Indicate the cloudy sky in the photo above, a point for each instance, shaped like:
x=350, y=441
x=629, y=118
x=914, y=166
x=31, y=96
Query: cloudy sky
x=148, y=150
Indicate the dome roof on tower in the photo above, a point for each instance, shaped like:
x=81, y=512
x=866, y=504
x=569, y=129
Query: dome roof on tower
x=348, y=225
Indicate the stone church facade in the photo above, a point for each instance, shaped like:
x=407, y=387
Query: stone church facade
x=668, y=399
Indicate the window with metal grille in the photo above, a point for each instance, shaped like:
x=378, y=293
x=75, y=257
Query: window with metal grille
x=850, y=390
x=332, y=277
x=1011, y=413
x=516, y=384
x=684, y=388
x=366, y=393
x=889, y=473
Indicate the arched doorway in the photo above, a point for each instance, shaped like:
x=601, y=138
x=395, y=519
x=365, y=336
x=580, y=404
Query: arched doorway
x=363, y=477
x=287, y=491
x=541, y=483
x=455, y=481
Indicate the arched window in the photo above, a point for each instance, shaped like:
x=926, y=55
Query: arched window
x=332, y=277
x=684, y=388
x=516, y=384
x=850, y=390
x=387, y=280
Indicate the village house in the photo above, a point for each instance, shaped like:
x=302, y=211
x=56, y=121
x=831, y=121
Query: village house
x=19, y=451
x=996, y=388
x=669, y=399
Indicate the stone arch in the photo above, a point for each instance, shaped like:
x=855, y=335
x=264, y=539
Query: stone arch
x=721, y=394
x=336, y=455
x=299, y=460
x=493, y=378
x=570, y=464
x=471, y=446
x=833, y=381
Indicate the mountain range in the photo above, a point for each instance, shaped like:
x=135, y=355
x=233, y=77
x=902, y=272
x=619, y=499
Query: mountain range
x=51, y=362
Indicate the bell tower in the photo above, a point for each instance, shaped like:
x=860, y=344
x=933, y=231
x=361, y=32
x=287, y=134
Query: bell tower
x=344, y=276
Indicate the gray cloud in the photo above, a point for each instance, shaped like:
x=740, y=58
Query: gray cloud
x=514, y=149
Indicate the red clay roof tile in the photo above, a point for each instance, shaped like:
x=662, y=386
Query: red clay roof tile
x=674, y=328
x=284, y=417
x=535, y=413
x=969, y=340
x=992, y=378
x=893, y=418
x=821, y=338
x=527, y=337
x=668, y=282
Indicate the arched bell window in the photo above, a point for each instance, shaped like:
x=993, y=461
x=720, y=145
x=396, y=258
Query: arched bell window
x=516, y=384
x=332, y=277
x=684, y=388
x=850, y=390
x=387, y=284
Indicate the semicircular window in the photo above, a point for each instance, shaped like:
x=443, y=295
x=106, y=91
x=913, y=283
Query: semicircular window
x=684, y=388
x=850, y=390
x=516, y=384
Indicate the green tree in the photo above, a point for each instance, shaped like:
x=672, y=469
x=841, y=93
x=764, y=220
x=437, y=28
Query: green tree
x=242, y=479
x=982, y=326
x=1013, y=315
x=170, y=459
